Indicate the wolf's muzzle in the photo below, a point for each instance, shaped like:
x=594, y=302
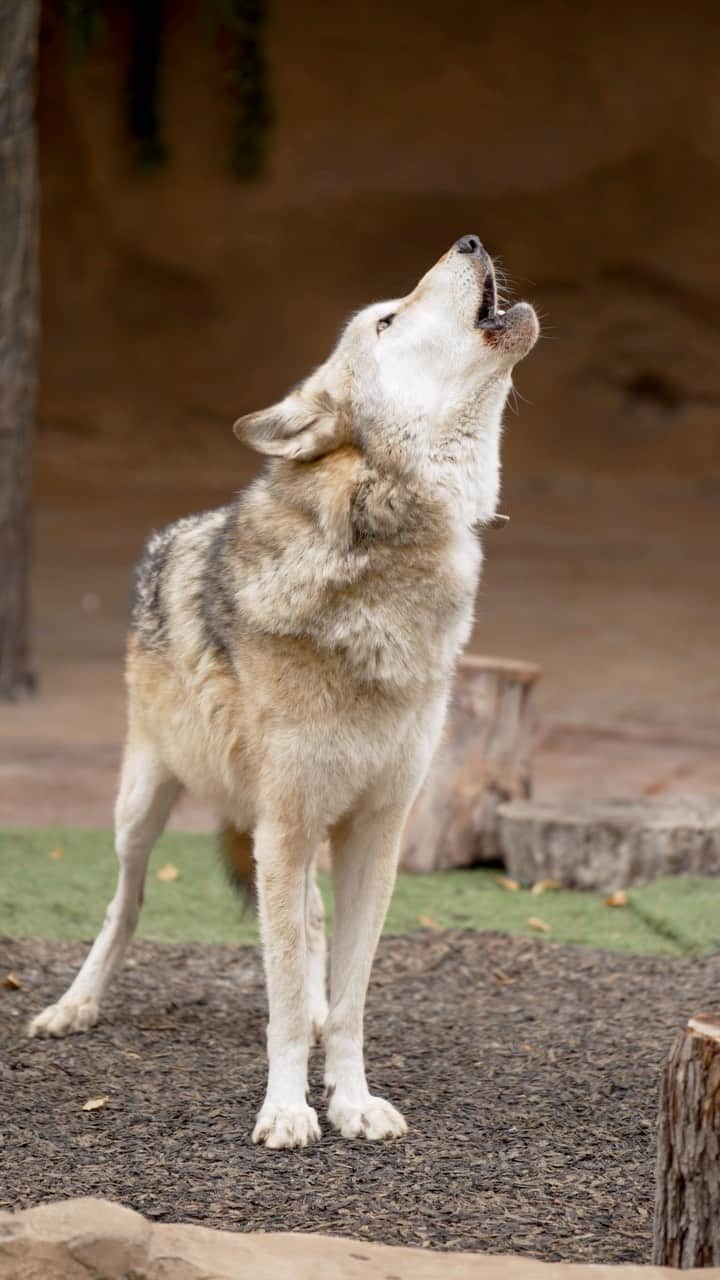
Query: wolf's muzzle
x=473, y=246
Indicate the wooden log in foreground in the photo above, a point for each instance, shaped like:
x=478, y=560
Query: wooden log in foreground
x=687, y=1196
x=484, y=758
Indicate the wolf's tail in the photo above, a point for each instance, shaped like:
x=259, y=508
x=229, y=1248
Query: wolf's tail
x=237, y=852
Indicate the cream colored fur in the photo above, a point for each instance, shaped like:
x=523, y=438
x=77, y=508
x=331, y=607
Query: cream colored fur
x=290, y=660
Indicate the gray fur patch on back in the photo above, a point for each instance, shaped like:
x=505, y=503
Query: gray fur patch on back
x=217, y=605
x=148, y=611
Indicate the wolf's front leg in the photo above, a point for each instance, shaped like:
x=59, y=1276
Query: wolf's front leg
x=365, y=854
x=283, y=869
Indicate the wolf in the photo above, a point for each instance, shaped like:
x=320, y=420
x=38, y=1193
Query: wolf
x=290, y=657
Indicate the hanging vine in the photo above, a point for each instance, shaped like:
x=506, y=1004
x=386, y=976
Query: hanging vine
x=84, y=23
x=143, y=116
x=242, y=31
x=240, y=28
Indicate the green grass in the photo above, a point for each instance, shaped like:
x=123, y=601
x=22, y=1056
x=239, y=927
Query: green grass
x=66, y=897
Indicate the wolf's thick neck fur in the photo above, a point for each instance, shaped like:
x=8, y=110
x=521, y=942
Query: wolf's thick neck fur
x=365, y=557
x=373, y=558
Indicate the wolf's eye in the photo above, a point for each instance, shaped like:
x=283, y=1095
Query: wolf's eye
x=384, y=323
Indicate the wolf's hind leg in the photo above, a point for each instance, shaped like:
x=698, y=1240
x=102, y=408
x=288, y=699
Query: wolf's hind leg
x=316, y=958
x=146, y=796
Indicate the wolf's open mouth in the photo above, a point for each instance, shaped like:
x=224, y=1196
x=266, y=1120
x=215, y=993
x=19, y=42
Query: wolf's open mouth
x=487, y=312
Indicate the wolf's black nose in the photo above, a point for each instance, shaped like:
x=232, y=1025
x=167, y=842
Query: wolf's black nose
x=468, y=244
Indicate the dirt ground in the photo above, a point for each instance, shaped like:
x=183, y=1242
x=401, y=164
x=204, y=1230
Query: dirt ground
x=612, y=589
x=528, y=1073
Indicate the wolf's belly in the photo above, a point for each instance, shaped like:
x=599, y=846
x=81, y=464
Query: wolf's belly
x=289, y=723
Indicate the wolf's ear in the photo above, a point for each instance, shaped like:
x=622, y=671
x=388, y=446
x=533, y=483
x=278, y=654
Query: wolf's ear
x=300, y=428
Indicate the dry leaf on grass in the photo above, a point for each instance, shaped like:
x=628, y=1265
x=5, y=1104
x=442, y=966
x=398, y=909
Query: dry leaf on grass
x=506, y=883
x=617, y=899
x=11, y=982
x=541, y=925
x=94, y=1104
x=56, y=854
x=167, y=873
x=544, y=886
x=427, y=923
x=502, y=977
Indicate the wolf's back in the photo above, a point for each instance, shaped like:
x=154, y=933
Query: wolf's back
x=181, y=550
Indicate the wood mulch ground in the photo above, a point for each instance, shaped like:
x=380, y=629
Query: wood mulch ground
x=528, y=1073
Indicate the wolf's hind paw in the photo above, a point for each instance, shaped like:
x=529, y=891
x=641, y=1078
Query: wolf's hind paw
x=65, y=1017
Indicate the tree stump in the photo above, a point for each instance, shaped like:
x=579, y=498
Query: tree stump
x=609, y=844
x=483, y=759
x=687, y=1195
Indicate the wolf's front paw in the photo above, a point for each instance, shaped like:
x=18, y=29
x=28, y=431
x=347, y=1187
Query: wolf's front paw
x=372, y=1119
x=65, y=1017
x=281, y=1127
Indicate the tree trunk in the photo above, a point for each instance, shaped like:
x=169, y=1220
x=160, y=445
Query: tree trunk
x=18, y=328
x=687, y=1195
x=483, y=759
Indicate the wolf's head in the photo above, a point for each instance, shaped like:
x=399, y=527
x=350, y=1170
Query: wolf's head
x=410, y=376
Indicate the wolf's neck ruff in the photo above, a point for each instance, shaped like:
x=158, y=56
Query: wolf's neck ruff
x=364, y=566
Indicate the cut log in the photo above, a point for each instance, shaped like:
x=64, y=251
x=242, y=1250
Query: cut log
x=687, y=1191
x=609, y=844
x=483, y=759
